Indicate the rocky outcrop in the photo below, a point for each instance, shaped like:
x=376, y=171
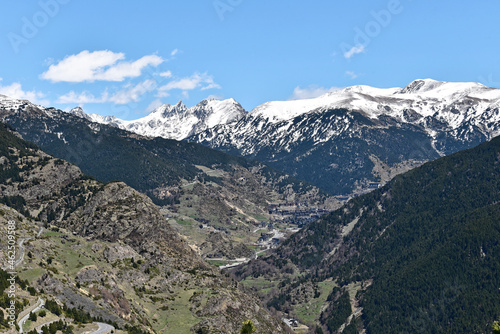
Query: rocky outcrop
x=219, y=246
x=118, y=212
x=89, y=274
x=120, y=252
x=226, y=311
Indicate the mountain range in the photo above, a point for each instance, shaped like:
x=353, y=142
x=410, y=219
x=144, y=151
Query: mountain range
x=175, y=121
x=191, y=182
x=342, y=141
x=417, y=254
x=359, y=135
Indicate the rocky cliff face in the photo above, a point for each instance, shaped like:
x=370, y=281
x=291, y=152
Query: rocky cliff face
x=118, y=212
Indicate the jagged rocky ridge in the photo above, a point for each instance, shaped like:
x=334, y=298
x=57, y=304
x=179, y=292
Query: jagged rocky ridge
x=344, y=140
x=175, y=121
x=147, y=164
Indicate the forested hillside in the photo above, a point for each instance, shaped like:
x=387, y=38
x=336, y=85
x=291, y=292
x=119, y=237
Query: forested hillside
x=421, y=254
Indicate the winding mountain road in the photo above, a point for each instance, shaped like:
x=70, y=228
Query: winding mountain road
x=103, y=328
x=39, y=304
x=20, y=250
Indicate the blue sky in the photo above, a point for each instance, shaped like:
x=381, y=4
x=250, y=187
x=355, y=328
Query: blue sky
x=125, y=57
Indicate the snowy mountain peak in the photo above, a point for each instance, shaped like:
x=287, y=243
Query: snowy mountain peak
x=442, y=88
x=424, y=96
x=6, y=99
x=166, y=109
x=78, y=111
x=421, y=85
x=7, y=102
x=326, y=138
x=180, y=104
x=175, y=121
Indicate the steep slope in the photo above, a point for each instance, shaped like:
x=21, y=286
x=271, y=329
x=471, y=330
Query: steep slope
x=337, y=149
x=110, y=252
x=420, y=254
x=108, y=153
x=193, y=182
x=175, y=121
x=360, y=135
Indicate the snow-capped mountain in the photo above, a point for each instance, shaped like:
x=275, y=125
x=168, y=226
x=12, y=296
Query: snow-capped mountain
x=96, y=118
x=360, y=133
x=175, y=121
x=8, y=103
x=344, y=141
x=451, y=103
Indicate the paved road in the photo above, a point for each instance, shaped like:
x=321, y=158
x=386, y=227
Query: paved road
x=21, y=249
x=39, y=304
x=40, y=232
x=103, y=328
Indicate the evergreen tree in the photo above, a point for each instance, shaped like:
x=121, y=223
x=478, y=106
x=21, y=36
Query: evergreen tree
x=496, y=327
x=248, y=327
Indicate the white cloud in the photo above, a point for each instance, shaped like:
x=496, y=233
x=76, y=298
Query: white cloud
x=167, y=74
x=124, y=96
x=84, y=66
x=15, y=90
x=98, y=65
x=162, y=94
x=83, y=97
x=197, y=80
x=129, y=69
x=310, y=92
x=211, y=85
x=351, y=74
x=174, y=52
x=133, y=93
x=354, y=51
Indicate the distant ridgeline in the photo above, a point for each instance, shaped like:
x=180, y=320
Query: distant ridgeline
x=146, y=164
x=344, y=140
x=419, y=255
